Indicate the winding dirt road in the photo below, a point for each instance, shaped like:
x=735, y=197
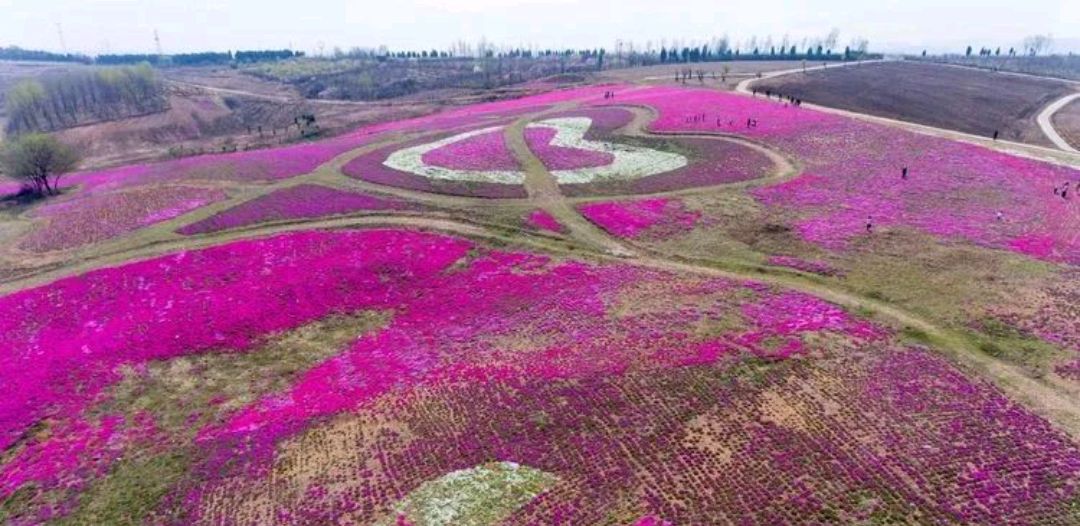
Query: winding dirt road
x=1047, y=125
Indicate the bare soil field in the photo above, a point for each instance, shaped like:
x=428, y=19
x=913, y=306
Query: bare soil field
x=965, y=100
x=228, y=79
x=1060, y=66
x=202, y=121
x=1067, y=123
x=734, y=72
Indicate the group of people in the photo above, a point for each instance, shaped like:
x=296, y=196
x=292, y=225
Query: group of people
x=787, y=99
x=701, y=117
x=609, y=94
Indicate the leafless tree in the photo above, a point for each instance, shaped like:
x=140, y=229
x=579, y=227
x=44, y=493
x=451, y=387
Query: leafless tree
x=1037, y=44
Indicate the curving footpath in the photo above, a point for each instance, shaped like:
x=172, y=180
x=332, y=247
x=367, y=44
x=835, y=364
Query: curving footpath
x=1047, y=125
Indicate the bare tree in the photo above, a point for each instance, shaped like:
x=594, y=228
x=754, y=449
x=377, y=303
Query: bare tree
x=34, y=158
x=1037, y=44
x=832, y=39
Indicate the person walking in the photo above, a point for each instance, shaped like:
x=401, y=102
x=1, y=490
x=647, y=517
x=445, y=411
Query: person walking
x=903, y=173
x=869, y=225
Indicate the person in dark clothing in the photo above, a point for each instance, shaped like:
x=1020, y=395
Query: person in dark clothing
x=869, y=225
x=995, y=135
x=903, y=173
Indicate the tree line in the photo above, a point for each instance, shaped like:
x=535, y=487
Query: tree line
x=28, y=55
x=704, y=54
x=205, y=58
x=57, y=101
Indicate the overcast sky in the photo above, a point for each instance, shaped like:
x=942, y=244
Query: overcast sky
x=97, y=26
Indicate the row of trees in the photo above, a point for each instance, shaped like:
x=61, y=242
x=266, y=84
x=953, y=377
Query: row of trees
x=206, y=58
x=58, y=101
x=1033, y=45
x=18, y=53
x=705, y=54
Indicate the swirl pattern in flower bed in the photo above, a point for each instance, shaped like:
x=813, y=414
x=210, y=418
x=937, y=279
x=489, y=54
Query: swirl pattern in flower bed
x=478, y=162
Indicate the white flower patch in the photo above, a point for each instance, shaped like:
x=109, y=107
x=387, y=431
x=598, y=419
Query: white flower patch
x=411, y=160
x=629, y=162
x=480, y=496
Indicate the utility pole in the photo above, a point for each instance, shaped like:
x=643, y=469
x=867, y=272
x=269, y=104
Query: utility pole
x=60, y=33
x=157, y=44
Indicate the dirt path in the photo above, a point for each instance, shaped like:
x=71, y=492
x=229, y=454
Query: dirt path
x=544, y=192
x=263, y=96
x=1042, y=153
x=1047, y=125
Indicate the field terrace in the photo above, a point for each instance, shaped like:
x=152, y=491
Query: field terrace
x=565, y=309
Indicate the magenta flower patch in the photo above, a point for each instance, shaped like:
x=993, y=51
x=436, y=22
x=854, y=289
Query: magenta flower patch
x=853, y=171
x=91, y=218
x=543, y=220
x=306, y=201
x=562, y=157
x=631, y=219
x=486, y=151
x=599, y=376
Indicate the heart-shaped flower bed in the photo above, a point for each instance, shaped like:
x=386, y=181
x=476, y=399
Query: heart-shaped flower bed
x=482, y=156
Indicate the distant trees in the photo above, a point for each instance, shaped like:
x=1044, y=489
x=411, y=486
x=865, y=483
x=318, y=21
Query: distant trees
x=968, y=53
x=719, y=50
x=1037, y=44
x=58, y=101
x=37, y=161
x=17, y=53
x=208, y=58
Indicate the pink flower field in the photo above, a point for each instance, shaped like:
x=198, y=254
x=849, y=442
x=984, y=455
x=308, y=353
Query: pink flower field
x=306, y=201
x=604, y=122
x=659, y=218
x=543, y=220
x=475, y=369
x=624, y=390
x=90, y=218
x=852, y=171
x=487, y=151
x=253, y=166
